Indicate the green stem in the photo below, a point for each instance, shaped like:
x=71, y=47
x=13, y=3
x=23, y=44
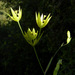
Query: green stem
x=39, y=31
x=52, y=59
x=38, y=60
x=20, y=28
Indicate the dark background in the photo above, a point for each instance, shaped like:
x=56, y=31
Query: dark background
x=17, y=57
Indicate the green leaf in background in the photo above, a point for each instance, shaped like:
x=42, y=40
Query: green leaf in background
x=57, y=67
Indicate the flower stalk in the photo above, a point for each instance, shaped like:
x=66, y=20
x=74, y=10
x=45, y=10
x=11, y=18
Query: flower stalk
x=20, y=28
x=38, y=60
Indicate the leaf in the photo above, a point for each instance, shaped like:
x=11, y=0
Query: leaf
x=57, y=67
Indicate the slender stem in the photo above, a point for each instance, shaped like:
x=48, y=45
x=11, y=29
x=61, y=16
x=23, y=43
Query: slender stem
x=20, y=28
x=38, y=60
x=52, y=59
x=39, y=31
x=57, y=51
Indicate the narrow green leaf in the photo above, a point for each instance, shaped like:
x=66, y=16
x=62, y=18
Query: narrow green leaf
x=57, y=67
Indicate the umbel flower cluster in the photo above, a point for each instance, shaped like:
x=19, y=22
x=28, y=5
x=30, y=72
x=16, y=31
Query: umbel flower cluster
x=31, y=35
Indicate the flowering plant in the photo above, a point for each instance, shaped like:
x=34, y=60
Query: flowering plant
x=33, y=36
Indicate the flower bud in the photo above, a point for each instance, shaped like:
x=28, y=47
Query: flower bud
x=68, y=37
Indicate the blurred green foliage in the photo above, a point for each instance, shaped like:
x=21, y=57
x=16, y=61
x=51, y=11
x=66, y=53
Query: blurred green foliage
x=17, y=56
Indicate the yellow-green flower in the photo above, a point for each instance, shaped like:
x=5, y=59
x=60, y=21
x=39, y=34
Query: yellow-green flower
x=16, y=15
x=31, y=36
x=68, y=37
x=42, y=20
